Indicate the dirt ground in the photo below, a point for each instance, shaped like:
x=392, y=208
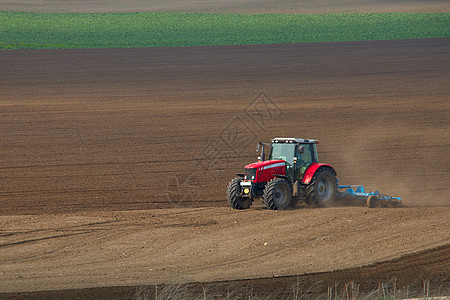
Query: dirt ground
x=114, y=162
x=233, y=6
x=123, y=129
x=91, y=249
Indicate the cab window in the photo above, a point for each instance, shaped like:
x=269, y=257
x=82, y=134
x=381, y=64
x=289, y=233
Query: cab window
x=282, y=151
x=307, y=157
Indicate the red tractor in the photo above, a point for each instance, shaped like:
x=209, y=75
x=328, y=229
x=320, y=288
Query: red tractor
x=292, y=171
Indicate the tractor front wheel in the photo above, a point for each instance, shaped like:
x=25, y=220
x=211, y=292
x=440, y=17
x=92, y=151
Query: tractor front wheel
x=234, y=195
x=322, y=190
x=278, y=194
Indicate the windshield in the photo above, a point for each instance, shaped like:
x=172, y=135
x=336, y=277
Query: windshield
x=282, y=151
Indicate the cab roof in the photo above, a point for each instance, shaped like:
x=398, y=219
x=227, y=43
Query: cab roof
x=294, y=140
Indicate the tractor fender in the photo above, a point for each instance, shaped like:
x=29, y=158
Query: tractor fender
x=282, y=176
x=309, y=173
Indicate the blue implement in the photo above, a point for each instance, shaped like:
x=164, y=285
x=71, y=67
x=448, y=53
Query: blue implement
x=357, y=192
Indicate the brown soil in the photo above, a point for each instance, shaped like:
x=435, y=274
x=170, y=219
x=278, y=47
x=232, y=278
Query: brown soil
x=93, y=141
x=86, y=250
x=365, y=280
x=124, y=129
x=233, y=6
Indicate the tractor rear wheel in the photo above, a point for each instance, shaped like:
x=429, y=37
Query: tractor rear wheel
x=322, y=190
x=372, y=201
x=233, y=195
x=278, y=194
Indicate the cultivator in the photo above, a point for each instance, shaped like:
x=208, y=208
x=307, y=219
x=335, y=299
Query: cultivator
x=356, y=195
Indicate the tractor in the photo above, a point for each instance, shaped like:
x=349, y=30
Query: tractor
x=292, y=171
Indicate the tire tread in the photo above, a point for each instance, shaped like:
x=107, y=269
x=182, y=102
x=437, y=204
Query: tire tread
x=311, y=197
x=269, y=190
x=234, y=200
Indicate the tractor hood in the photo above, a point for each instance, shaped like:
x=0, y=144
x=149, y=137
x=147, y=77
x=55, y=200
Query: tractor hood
x=266, y=164
x=263, y=171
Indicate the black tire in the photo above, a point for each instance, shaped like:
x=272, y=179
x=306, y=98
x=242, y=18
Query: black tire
x=322, y=191
x=372, y=201
x=233, y=195
x=278, y=194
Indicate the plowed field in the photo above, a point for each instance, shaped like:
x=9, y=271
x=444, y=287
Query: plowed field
x=114, y=163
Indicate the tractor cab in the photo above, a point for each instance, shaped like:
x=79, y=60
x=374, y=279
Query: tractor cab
x=298, y=154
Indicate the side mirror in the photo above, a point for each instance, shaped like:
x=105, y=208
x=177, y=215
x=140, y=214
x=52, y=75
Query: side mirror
x=257, y=148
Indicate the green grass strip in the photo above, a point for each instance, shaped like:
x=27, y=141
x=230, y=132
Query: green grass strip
x=19, y=30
